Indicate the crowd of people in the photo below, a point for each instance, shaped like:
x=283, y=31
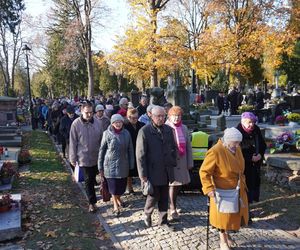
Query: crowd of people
x=112, y=138
x=230, y=103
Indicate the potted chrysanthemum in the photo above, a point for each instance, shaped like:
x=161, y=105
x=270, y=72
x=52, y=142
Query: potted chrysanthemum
x=5, y=203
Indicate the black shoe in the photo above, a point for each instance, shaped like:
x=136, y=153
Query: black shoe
x=250, y=221
x=123, y=204
x=148, y=221
x=167, y=227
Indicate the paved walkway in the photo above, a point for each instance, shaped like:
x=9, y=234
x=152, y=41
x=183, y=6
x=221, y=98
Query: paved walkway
x=128, y=231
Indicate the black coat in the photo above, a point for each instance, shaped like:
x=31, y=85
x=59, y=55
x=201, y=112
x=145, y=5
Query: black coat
x=156, y=154
x=252, y=143
x=65, y=126
x=133, y=134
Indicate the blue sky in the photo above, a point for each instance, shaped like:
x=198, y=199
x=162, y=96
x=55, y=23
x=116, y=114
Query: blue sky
x=104, y=37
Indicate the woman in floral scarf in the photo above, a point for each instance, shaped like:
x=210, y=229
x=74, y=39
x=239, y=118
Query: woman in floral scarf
x=184, y=157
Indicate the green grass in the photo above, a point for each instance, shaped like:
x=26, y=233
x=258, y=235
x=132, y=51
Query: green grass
x=54, y=212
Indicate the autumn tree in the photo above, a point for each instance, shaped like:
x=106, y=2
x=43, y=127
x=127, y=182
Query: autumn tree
x=151, y=9
x=10, y=39
x=86, y=12
x=194, y=15
x=239, y=31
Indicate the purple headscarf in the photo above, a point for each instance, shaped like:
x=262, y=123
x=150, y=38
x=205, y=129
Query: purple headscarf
x=249, y=115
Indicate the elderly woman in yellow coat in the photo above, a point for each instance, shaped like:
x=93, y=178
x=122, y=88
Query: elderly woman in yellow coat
x=221, y=168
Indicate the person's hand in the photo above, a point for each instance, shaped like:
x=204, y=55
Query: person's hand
x=144, y=179
x=211, y=194
x=101, y=173
x=256, y=158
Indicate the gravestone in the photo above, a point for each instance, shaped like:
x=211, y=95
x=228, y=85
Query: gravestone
x=294, y=101
x=210, y=95
x=8, y=110
x=135, y=98
x=157, y=96
x=178, y=95
x=283, y=169
x=10, y=221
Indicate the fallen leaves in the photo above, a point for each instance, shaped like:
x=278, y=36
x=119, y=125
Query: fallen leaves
x=51, y=234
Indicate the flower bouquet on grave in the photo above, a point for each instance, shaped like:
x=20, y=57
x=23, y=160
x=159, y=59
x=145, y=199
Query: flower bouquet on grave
x=7, y=172
x=293, y=117
x=280, y=120
x=24, y=157
x=5, y=203
x=285, y=143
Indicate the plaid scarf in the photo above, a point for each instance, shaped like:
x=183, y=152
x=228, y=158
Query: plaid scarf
x=179, y=137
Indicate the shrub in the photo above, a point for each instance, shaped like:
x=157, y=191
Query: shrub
x=245, y=107
x=293, y=117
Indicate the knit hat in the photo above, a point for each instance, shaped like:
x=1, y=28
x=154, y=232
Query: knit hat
x=249, y=115
x=99, y=107
x=116, y=117
x=232, y=134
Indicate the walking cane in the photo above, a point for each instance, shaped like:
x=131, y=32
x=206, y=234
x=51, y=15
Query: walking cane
x=207, y=223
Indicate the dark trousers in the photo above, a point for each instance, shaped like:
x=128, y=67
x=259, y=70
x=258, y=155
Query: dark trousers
x=160, y=195
x=64, y=146
x=89, y=181
x=35, y=123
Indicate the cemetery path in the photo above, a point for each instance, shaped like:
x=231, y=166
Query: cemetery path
x=54, y=210
x=276, y=223
x=55, y=215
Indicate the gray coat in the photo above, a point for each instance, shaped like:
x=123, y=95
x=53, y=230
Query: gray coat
x=85, y=139
x=116, y=154
x=156, y=154
x=184, y=163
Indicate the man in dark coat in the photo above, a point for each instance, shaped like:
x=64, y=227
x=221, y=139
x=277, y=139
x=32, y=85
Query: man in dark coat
x=233, y=100
x=156, y=159
x=65, y=127
x=253, y=148
x=220, y=102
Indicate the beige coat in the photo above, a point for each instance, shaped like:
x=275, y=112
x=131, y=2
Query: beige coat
x=184, y=163
x=224, y=167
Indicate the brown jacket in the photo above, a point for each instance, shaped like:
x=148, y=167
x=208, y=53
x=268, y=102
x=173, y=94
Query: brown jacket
x=85, y=140
x=221, y=168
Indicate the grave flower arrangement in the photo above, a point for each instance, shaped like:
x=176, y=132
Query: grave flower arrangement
x=7, y=172
x=245, y=107
x=285, y=143
x=5, y=203
x=280, y=119
x=24, y=157
x=293, y=117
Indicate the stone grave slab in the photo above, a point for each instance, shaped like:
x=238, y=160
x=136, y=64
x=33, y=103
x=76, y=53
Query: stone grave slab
x=272, y=131
x=10, y=221
x=13, y=153
x=284, y=169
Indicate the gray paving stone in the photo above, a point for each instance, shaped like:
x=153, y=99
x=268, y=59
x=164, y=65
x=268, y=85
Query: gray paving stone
x=190, y=231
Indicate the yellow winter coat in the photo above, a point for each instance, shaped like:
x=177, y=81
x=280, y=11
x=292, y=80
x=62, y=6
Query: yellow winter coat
x=224, y=167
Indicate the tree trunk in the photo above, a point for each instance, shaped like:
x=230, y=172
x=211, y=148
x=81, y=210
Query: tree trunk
x=154, y=77
x=90, y=70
